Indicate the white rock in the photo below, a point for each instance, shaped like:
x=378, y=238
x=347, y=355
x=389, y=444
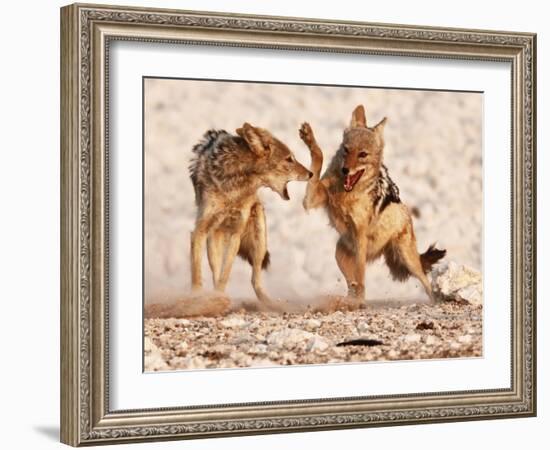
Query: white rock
x=451, y=281
x=431, y=340
x=233, y=322
x=392, y=354
x=466, y=339
x=259, y=349
x=312, y=324
x=153, y=360
x=411, y=338
x=288, y=338
x=317, y=343
x=182, y=346
x=363, y=328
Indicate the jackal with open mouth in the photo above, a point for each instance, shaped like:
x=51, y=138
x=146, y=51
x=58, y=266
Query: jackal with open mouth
x=364, y=206
x=226, y=173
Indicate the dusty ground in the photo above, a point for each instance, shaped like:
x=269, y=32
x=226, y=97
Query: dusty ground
x=246, y=338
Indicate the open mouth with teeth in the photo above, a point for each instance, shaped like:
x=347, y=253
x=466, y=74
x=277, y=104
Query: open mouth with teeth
x=282, y=191
x=285, y=193
x=351, y=180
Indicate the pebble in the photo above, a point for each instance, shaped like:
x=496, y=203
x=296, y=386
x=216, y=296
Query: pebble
x=412, y=338
x=312, y=324
x=431, y=340
x=317, y=343
x=288, y=338
x=233, y=322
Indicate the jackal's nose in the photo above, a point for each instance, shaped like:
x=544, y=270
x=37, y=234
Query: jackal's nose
x=310, y=174
x=345, y=170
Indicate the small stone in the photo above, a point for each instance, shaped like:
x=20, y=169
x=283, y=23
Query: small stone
x=466, y=339
x=288, y=338
x=233, y=322
x=317, y=343
x=258, y=349
x=412, y=338
x=392, y=354
x=363, y=328
x=312, y=324
x=425, y=325
x=431, y=340
x=181, y=349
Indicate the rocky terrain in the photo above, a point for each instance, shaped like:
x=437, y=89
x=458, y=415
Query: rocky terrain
x=334, y=330
x=373, y=333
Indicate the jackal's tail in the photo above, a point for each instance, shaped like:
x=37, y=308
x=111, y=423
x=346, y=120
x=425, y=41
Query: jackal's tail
x=205, y=147
x=398, y=268
x=431, y=257
x=245, y=254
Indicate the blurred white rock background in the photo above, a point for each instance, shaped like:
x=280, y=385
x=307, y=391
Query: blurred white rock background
x=433, y=152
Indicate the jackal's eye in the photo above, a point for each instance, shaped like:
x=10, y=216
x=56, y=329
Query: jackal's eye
x=289, y=159
x=363, y=155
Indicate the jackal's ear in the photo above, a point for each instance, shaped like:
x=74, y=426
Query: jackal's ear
x=358, y=118
x=379, y=127
x=256, y=138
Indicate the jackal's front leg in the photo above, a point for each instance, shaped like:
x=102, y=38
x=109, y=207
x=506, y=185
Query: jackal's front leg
x=316, y=194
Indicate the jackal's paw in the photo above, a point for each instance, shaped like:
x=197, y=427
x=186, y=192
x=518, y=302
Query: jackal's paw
x=356, y=291
x=306, y=134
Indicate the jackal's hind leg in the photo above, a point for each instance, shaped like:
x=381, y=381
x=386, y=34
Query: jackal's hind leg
x=198, y=240
x=215, y=246
x=409, y=256
x=345, y=258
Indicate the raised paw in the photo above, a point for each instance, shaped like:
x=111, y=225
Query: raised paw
x=306, y=134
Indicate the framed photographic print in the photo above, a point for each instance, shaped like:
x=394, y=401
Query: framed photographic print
x=277, y=224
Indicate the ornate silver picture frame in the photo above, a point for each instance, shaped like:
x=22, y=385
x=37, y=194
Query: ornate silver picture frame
x=87, y=32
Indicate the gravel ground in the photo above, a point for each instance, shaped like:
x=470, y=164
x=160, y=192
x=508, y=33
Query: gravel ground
x=376, y=332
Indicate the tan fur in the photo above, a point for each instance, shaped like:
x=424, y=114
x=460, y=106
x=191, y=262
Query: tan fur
x=366, y=230
x=230, y=217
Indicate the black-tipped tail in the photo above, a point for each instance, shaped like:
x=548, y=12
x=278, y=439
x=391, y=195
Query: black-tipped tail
x=430, y=257
x=244, y=254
